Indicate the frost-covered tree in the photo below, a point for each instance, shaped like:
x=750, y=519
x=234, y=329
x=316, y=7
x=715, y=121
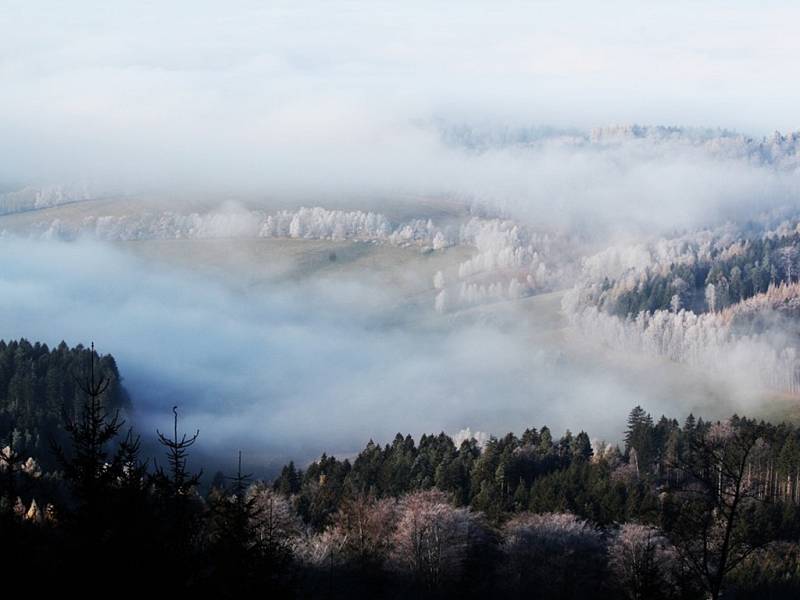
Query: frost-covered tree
x=440, y=304
x=643, y=562
x=274, y=519
x=557, y=554
x=711, y=297
x=367, y=525
x=432, y=538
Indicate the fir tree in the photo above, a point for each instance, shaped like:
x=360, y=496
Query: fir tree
x=174, y=487
x=236, y=552
x=89, y=467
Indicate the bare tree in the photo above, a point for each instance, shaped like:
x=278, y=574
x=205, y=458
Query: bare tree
x=432, y=538
x=642, y=561
x=712, y=527
x=367, y=524
x=276, y=524
x=558, y=554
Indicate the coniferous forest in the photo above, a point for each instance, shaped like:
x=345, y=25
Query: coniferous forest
x=681, y=509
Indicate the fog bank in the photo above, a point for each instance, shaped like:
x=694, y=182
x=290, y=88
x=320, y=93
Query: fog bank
x=320, y=365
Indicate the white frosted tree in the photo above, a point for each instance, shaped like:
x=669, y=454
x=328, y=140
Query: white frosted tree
x=557, y=554
x=675, y=303
x=440, y=304
x=321, y=550
x=643, y=562
x=367, y=525
x=275, y=521
x=433, y=537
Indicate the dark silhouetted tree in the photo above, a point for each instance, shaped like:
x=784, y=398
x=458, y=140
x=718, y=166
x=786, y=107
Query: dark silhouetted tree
x=235, y=550
x=175, y=490
x=89, y=467
x=715, y=523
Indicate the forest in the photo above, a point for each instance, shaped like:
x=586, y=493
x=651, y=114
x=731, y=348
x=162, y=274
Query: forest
x=689, y=509
x=703, y=298
x=712, y=282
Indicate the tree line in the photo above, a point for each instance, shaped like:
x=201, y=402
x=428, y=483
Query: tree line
x=679, y=510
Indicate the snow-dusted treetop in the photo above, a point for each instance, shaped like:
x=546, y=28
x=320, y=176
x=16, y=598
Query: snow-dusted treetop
x=778, y=150
x=35, y=198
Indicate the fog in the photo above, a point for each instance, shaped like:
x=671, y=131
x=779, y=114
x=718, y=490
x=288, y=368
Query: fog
x=298, y=369
x=370, y=105
x=343, y=98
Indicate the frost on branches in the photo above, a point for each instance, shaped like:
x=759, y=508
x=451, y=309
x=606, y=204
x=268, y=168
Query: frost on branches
x=554, y=552
x=718, y=342
x=36, y=198
x=511, y=261
x=724, y=301
x=432, y=538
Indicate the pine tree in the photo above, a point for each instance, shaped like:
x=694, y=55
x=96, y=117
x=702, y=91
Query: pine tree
x=582, y=447
x=530, y=437
x=133, y=477
x=288, y=483
x=639, y=437
x=690, y=423
x=545, y=445
x=244, y=507
x=90, y=469
x=236, y=551
x=175, y=485
x=133, y=490
x=520, y=496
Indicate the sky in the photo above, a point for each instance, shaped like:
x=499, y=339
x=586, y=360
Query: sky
x=265, y=95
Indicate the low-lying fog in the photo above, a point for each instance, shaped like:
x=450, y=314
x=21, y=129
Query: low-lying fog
x=326, y=362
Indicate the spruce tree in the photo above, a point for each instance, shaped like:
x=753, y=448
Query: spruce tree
x=174, y=487
x=89, y=468
x=236, y=553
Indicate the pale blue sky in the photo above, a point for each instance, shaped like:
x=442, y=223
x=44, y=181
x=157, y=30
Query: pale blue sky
x=167, y=89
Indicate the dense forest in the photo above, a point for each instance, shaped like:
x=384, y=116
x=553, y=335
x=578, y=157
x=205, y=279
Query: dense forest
x=719, y=300
x=725, y=277
x=38, y=393
x=688, y=509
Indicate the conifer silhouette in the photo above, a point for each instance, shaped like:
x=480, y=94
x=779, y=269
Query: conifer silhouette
x=174, y=487
x=89, y=468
